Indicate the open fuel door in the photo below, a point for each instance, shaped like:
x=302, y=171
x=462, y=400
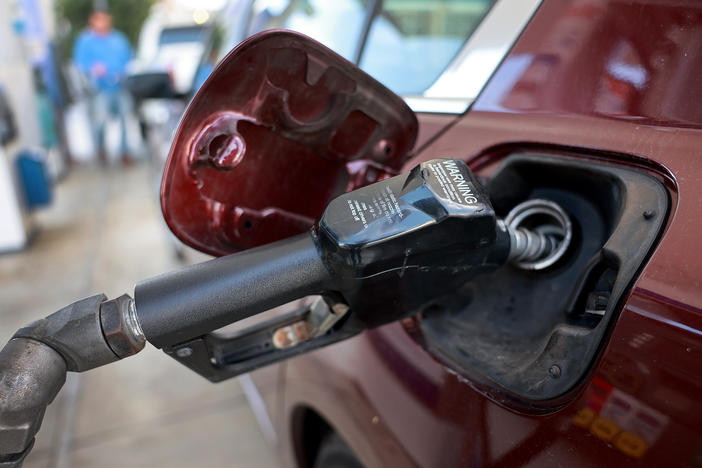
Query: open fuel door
x=282, y=125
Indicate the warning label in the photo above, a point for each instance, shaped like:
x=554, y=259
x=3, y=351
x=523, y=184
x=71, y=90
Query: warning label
x=453, y=182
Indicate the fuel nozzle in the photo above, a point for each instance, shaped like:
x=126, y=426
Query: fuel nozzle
x=377, y=254
x=383, y=250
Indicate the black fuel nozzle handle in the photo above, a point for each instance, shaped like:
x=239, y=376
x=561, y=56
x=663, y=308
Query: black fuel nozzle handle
x=378, y=254
x=385, y=249
x=190, y=302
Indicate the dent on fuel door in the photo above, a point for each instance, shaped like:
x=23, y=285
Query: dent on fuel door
x=534, y=334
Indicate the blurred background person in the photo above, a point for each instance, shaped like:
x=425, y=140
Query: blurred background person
x=102, y=54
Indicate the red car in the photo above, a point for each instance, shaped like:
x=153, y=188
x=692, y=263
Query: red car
x=587, y=359
x=593, y=364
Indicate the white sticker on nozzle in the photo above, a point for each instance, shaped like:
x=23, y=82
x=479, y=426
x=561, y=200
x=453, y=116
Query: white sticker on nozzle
x=453, y=182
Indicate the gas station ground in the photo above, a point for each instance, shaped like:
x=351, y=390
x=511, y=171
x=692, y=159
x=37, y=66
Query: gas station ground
x=103, y=233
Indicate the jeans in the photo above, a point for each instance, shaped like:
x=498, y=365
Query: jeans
x=106, y=104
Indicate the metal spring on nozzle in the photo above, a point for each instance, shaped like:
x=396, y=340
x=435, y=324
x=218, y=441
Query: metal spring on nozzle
x=540, y=233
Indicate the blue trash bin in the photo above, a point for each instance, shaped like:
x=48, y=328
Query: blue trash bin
x=34, y=178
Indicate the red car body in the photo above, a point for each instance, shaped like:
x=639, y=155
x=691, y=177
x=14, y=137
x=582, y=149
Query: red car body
x=616, y=81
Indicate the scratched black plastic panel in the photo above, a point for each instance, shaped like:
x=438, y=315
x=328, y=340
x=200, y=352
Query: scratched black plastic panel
x=410, y=238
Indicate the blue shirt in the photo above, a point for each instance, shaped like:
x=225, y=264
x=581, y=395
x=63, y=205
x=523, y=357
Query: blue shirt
x=112, y=50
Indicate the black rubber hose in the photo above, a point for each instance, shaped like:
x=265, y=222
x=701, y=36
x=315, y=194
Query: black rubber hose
x=31, y=374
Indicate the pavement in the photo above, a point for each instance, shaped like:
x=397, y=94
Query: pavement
x=104, y=233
